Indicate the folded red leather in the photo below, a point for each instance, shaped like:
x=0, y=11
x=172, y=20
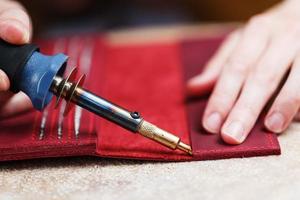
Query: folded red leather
x=148, y=78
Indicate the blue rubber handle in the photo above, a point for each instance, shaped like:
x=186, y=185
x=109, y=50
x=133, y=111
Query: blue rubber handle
x=37, y=75
x=30, y=71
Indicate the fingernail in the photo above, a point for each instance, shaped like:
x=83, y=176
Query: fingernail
x=15, y=32
x=275, y=122
x=213, y=122
x=234, y=133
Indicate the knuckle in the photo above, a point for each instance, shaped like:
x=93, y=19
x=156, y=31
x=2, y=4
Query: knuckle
x=216, y=106
x=248, y=108
x=237, y=65
x=258, y=20
x=287, y=105
x=257, y=23
x=264, y=78
x=221, y=96
x=295, y=100
x=290, y=98
x=233, y=35
x=220, y=100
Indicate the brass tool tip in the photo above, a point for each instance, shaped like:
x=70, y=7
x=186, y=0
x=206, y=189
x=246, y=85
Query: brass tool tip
x=163, y=137
x=184, y=147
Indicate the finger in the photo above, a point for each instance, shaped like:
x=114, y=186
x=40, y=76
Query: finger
x=226, y=91
x=258, y=88
x=15, y=25
x=287, y=103
x=4, y=81
x=14, y=104
x=204, y=82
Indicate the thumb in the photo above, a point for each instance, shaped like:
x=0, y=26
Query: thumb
x=15, y=23
x=15, y=28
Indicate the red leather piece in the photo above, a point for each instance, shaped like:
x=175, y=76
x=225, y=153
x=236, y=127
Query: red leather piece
x=146, y=78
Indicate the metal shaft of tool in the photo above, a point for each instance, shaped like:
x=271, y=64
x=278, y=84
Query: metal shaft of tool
x=107, y=110
x=131, y=121
x=96, y=104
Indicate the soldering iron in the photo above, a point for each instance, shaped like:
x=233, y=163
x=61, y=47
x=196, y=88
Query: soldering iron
x=41, y=76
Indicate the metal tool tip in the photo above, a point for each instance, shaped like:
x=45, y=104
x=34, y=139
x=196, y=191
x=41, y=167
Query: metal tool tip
x=184, y=147
x=163, y=137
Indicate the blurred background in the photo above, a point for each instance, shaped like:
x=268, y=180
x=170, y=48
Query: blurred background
x=55, y=16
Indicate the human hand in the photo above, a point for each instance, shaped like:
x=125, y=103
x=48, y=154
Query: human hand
x=247, y=70
x=15, y=28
